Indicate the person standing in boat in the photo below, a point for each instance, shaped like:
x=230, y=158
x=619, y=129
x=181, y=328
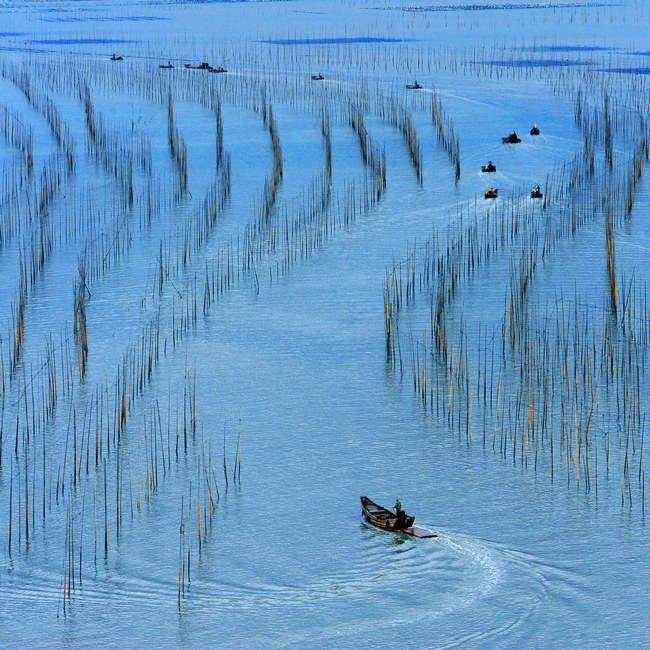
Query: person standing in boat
x=400, y=515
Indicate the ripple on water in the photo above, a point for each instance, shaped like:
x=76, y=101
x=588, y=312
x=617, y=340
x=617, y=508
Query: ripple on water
x=447, y=576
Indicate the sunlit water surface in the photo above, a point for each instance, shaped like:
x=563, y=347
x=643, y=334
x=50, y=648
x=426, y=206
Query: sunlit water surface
x=519, y=560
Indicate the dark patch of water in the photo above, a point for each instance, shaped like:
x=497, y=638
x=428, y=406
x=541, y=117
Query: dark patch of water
x=80, y=41
x=504, y=7
x=334, y=41
x=165, y=3
x=535, y=63
x=565, y=48
x=626, y=70
x=87, y=19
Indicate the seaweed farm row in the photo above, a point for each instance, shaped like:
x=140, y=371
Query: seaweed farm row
x=555, y=380
x=84, y=441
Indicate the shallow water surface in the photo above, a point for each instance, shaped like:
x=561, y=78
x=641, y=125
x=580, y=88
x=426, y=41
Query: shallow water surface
x=196, y=479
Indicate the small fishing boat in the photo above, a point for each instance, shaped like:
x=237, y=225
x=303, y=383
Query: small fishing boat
x=203, y=66
x=169, y=66
x=536, y=193
x=534, y=130
x=513, y=138
x=489, y=167
x=414, y=86
x=116, y=58
x=317, y=77
x=492, y=193
x=383, y=518
x=388, y=520
x=217, y=69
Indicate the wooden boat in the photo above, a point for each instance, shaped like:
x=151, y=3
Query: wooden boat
x=217, y=69
x=536, y=193
x=169, y=66
x=534, y=130
x=383, y=518
x=413, y=86
x=317, y=77
x=387, y=520
x=513, y=138
x=488, y=168
x=116, y=58
x=492, y=193
x=203, y=66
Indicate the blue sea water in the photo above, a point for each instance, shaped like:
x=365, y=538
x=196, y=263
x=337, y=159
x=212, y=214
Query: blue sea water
x=293, y=365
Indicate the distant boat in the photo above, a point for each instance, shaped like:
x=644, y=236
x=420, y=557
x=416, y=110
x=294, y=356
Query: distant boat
x=513, y=138
x=414, y=86
x=116, y=58
x=536, y=193
x=388, y=520
x=492, y=193
x=488, y=168
x=203, y=66
x=217, y=69
x=169, y=66
x=534, y=130
x=317, y=77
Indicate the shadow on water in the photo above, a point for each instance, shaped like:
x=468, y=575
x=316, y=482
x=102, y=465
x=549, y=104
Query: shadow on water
x=626, y=70
x=80, y=41
x=565, y=48
x=92, y=19
x=535, y=63
x=501, y=7
x=334, y=41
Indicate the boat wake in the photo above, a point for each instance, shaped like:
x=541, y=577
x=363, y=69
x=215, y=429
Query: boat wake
x=445, y=591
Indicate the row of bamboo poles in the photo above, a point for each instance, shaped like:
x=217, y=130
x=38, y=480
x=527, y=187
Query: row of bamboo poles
x=542, y=388
x=552, y=386
x=95, y=445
